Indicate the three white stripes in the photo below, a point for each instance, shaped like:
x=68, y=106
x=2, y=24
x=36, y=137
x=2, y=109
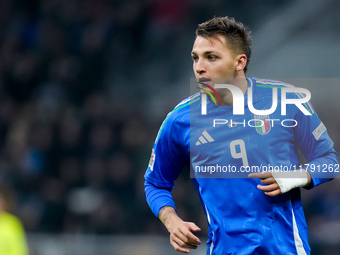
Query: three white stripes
x=204, y=138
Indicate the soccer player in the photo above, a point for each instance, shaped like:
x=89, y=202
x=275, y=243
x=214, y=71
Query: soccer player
x=245, y=165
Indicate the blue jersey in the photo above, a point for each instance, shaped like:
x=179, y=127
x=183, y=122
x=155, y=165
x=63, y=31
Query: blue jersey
x=222, y=148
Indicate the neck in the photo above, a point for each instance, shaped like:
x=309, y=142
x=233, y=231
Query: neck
x=227, y=97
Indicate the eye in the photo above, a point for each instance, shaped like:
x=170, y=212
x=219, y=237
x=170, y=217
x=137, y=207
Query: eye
x=212, y=57
x=194, y=58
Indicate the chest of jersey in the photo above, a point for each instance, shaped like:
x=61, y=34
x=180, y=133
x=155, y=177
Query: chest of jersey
x=226, y=145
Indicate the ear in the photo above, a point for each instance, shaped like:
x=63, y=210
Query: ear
x=241, y=62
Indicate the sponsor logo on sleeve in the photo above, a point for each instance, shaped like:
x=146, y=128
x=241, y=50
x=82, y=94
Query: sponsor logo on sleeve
x=319, y=131
x=152, y=159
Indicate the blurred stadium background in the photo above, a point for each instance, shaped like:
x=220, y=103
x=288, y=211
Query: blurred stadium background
x=85, y=85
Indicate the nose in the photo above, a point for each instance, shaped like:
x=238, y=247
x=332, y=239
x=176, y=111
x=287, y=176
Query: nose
x=200, y=67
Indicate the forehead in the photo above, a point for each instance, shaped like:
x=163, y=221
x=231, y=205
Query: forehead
x=204, y=44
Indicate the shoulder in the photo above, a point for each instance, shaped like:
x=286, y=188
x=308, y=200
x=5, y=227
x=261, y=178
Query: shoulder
x=181, y=112
x=265, y=86
x=270, y=83
x=180, y=116
x=10, y=221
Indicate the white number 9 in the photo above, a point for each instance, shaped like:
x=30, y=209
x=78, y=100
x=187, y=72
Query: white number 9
x=242, y=154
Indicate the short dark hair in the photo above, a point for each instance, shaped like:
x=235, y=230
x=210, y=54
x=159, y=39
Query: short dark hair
x=237, y=35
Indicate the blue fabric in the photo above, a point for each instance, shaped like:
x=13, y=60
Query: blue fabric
x=158, y=197
x=242, y=219
x=323, y=168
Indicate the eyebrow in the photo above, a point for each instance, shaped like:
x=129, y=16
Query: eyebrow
x=205, y=53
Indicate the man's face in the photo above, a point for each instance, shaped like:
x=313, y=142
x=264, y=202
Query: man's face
x=213, y=60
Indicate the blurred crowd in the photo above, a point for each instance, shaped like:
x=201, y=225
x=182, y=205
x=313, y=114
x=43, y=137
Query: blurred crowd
x=76, y=122
x=72, y=152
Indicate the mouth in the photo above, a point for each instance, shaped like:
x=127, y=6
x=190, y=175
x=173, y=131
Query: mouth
x=202, y=80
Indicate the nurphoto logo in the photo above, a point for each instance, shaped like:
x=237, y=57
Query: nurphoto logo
x=238, y=99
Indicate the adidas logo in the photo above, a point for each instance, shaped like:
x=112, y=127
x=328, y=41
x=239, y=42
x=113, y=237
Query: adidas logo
x=204, y=138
